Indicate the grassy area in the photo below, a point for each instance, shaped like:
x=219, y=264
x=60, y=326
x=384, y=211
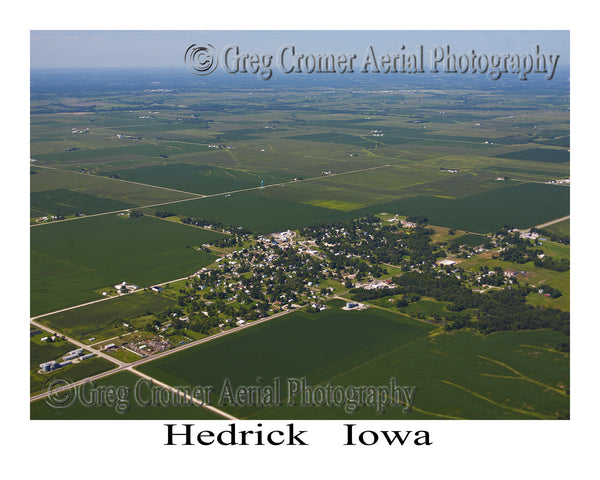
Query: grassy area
x=533, y=276
x=561, y=228
x=72, y=259
x=470, y=240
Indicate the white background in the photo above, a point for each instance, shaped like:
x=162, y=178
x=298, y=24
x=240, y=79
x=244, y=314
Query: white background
x=461, y=449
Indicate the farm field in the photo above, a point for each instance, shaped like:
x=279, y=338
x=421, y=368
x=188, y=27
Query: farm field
x=256, y=212
x=539, y=155
x=105, y=319
x=522, y=206
x=47, y=179
x=458, y=376
x=70, y=261
x=202, y=179
x=560, y=228
x=67, y=203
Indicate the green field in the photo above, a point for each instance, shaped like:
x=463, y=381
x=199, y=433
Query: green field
x=332, y=137
x=132, y=408
x=470, y=240
x=457, y=376
x=521, y=206
x=47, y=179
x=253, y=211
x=72, y=259
x=561, y=228
x=105, y=319
x=67, y=202
x=539, y=155
x=96, y=155
x=204, y=179
x=267, y=210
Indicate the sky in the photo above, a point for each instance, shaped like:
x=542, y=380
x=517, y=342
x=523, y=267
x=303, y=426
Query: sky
x=166, y=48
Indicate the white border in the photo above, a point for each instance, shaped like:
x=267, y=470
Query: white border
x=475, y=449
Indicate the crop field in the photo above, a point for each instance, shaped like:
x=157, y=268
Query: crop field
x=133, y=407
x=255, y=212
x=105, y=319
x=521, y=205
x=201, y=179
x=335, y=138
x=539, y=155
x=70, y=260
x=46, y=179
x=129, y=152
x=456, y=375
x=560, y=228
x=67, y=203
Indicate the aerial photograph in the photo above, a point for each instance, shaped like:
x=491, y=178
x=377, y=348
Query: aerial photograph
x=295, y=225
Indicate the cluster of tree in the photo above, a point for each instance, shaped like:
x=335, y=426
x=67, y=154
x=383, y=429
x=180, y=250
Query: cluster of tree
x=164, y=214
x=366, y=238
x=200, y=222
x=194, y=119
x=362, y=294
x=494, y=311
x=555, y=237
x=419, y=220
x=553, y=292
x=558, y=265
x=135, y=213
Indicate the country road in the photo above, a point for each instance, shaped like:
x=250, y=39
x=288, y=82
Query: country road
x=552, y=222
